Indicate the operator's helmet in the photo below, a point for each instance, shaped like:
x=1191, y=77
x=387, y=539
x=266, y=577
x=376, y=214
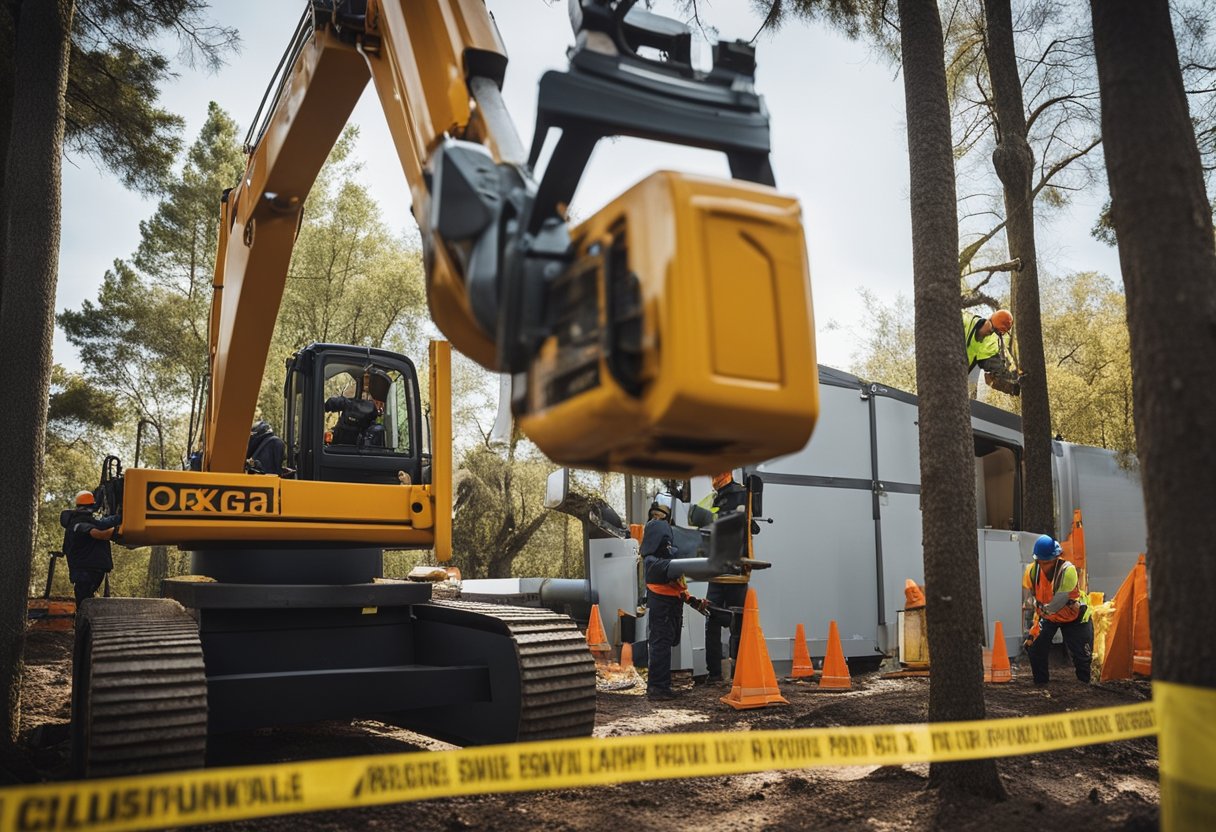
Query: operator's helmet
x=1046, y=548
x=378, y=384
x=722, y=479
x=85, y=498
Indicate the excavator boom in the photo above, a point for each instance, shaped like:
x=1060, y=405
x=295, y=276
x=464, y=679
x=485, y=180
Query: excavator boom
x=601, y=324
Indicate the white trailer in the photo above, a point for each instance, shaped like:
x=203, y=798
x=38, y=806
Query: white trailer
x=845, y=527
x=842, y=527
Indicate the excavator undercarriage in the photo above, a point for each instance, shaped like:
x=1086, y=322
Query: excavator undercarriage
x=145, y=699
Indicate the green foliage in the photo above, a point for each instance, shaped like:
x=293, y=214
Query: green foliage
x=145, y=337
x=76, y=405
x=1089, y=373
x=499, y=500
x=1104, y=227
x=886, y=351
x=1089, y=376
x=114, y=78
x=351, y=281
x=78, y=422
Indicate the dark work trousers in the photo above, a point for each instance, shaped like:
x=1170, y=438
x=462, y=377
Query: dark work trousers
x=85, y=582
x=1078, y=638
x=666, y=614
x=723, y=596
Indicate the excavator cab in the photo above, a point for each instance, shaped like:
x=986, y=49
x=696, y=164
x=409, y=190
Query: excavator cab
x=353, y=414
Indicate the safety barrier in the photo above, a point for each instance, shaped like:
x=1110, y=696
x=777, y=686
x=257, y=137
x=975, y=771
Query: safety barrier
x=214, y=795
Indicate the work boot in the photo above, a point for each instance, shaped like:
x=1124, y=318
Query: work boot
x=662, y=695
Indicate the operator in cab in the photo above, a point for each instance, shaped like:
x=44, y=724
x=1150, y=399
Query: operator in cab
x=360, y=413
x=86, y=543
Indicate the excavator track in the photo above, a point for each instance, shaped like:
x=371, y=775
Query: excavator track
x=139, y=691
x=557, y=672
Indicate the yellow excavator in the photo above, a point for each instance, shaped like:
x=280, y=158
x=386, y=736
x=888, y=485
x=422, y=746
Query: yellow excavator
x=670, y=334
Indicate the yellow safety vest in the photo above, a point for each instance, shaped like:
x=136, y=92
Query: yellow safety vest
x=978, y=348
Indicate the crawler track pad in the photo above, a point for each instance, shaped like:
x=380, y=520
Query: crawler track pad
x=542, y=677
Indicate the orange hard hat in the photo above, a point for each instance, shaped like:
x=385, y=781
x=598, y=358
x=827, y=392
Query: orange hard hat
x=722, y=479
x=1001, y=321
x=85, y=498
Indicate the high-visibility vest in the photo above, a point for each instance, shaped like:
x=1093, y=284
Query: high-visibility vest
x=1044, y=589
x=724, y=498
x=978, y=348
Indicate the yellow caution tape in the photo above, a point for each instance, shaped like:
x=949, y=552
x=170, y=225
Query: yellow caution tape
x=1186, y=748
x=213, y=795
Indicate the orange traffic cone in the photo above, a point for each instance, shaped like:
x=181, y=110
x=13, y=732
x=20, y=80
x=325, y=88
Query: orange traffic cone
x=999, y=671
x=1129, y=629
x=626, y=656
x=755, y=682
x=835, y=670
x=914, y=596
x=803, y=669
x=597, y=641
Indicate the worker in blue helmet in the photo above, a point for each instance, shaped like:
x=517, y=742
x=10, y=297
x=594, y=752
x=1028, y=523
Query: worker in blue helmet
x=1053, y=601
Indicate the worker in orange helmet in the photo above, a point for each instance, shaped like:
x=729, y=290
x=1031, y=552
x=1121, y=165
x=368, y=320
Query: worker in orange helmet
x=725, y=591
x=86, y=543
x=985, y=344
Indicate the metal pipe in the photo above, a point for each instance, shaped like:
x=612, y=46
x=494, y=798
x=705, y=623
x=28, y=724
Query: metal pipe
x=567, y=591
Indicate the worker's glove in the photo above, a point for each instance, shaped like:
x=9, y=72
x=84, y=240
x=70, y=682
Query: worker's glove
x=701, y=605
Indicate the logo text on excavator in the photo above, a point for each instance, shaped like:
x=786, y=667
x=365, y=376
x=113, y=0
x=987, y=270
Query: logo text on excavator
x=174, y=498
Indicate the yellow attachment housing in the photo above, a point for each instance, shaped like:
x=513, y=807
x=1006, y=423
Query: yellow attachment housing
x=684, y=337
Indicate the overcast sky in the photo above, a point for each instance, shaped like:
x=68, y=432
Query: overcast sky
x=838, y=145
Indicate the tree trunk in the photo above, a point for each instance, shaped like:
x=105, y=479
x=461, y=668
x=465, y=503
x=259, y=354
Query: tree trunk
x=32, y=169
x=502, y=559
x=158, y=570
x=1163, y=225
x=7, y=42
x=1014, y=163
x=947, y=463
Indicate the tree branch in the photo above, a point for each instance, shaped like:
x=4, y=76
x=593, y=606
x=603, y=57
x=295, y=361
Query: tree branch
x=1060, y=165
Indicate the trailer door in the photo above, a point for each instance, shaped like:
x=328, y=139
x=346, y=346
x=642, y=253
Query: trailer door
x=821, y=539
x=895, y=504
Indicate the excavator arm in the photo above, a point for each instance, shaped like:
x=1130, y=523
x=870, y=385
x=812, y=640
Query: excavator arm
x=670, y=333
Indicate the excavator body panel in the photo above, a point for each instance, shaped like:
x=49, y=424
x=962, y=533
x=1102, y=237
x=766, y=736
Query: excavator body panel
x=185, y=507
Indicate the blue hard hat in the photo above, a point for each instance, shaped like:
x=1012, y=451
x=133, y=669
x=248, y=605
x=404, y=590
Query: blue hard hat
x=1046, y=548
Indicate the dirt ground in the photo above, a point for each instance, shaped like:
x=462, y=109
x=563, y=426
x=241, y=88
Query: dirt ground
x=1111, y=786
